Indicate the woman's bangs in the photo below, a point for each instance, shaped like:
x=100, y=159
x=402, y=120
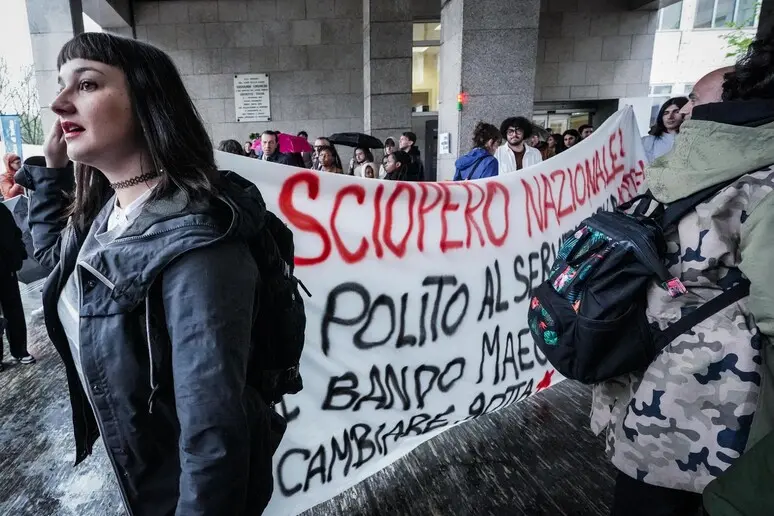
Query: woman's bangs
x=91, y=46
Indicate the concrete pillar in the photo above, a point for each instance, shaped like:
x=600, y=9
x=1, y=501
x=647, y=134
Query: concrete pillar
x=52, y=23
x=488, y=51
x=387, y=42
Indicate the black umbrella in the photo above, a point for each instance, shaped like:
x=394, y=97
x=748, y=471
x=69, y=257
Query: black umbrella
x=31, y=270
x=365, y=141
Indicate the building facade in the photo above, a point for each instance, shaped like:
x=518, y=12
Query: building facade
x=389, y=66
x=692, y=40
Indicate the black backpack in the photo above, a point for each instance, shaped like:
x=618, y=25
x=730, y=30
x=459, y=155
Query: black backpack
x=278, y=330
x=589, y=317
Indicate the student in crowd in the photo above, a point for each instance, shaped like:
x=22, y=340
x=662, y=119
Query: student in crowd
x=707, y=397
x=571, y=138
x=360, y=156
x=306, y=157
x=389, y=147
x=8, y=187
x=320, y=143
x=327, y=158
x=151, y=301
x=585, y=131
x=232, y=147
x=398, y=166
x=408, y=144
x=249, y=152
x=515, y=154
x=555, y=145
x=367, y=170
x=662, y=135
x=270, y=150
x=480, y=161
x=12, y=323
x=534, y=140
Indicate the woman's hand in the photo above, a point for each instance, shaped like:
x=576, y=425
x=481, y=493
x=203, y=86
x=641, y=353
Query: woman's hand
x=55, y=147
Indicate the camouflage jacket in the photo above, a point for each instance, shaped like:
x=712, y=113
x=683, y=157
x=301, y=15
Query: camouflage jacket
x=683, y=421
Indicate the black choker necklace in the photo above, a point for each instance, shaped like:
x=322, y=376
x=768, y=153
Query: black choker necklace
x=133, y=181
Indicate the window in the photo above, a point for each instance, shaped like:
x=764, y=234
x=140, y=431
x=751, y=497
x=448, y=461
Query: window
x=661, y=90
x=717, y=14
x=425, y=76
x=669, y=17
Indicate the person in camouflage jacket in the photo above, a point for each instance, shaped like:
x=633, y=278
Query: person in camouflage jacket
x=706, y=397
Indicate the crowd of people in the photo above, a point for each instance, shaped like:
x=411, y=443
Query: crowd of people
x=516, y=145
x=401, y=162
x=127, y=207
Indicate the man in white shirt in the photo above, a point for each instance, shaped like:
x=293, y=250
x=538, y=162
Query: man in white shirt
x=515, y=154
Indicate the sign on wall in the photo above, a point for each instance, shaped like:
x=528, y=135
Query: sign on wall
x=251, y=97
x=12, y=134
x=418, y=320
x=444, y=143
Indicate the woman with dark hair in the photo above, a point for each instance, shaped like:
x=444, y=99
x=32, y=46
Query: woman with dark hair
x=661, y=137
x=555, y=146
x=571, y=137
x=360, y=157
x=152, y=297
x=480, y=161
x=232, y=147
x=397, y=166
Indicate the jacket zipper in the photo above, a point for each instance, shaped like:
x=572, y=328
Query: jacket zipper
x=153, y=385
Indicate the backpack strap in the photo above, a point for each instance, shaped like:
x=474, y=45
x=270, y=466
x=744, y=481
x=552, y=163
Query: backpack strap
x=702, y=313
x=679, y=209
x=475, y=167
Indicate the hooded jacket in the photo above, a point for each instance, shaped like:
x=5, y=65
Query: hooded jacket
x=166, y=315
x=475, y=164
x=8, y=187
x=707, y=397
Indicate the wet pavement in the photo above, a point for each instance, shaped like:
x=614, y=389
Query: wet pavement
x=534, y=458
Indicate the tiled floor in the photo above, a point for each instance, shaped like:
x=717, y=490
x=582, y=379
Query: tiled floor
x=534, y=458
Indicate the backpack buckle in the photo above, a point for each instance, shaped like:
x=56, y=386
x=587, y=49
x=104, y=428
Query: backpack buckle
x=674, y=287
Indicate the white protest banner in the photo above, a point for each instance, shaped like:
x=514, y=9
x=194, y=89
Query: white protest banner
x=420, y=295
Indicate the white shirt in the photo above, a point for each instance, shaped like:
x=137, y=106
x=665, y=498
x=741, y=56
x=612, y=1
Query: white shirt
x=506, y=161
x=68, y=306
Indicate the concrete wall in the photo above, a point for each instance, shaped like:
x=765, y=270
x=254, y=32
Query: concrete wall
x=311, y=49
x=593, y=49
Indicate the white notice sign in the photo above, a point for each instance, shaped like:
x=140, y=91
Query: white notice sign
x=251, y=97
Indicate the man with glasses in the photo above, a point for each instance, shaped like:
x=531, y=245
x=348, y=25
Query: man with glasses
x=515, y=154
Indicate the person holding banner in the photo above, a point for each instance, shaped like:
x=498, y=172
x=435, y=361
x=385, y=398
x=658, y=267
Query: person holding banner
x=8, y=187
x=480, y=162
x=152, y=298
